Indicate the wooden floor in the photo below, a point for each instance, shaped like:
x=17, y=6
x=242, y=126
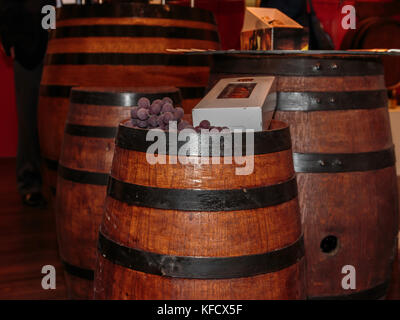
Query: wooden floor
x=28, y=242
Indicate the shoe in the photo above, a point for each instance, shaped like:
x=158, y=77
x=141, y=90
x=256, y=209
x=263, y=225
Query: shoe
x=34, y=199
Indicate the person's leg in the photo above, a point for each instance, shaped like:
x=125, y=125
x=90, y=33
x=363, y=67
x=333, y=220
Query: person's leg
x=27, y=83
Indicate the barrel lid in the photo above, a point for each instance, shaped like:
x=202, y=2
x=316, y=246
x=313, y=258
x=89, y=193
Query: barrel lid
x=296, y=63
x=302, y=53
x=132, y=10
x=122, y=96
x=276, y=139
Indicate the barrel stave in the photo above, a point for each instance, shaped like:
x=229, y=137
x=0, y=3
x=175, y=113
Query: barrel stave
x=363, y=222
x=355, y=131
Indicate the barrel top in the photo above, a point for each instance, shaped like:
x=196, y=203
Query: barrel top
x=318, y=54
x=132, y=10
x=276, y=139
x=121, y=90
x=122, y=96
x=296, y=63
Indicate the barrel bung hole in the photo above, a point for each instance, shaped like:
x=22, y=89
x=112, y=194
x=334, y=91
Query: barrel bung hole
x=329, y=244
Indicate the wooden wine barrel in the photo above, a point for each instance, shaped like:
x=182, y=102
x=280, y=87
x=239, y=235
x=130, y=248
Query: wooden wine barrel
x=336, y=105
x=119, y=45
x=378, y=33
x=199, y=231
x=85, y=165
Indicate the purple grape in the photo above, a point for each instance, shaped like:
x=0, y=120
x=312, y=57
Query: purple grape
x=205, y=124
x=167, y=100
x=183, y=125
x=144, y=103
x=142, y=124
x=143, y=114
x=167, y=108
x=168, y=116
x=214, y=130
x=132, y=123
x=160, y=120
x=153, y=121
x=155, y=108
x=158, y=101
x=134, y=112
x=178, y=113
x=198, y=129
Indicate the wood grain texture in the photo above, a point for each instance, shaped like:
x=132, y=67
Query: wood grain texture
x=79, y=211
x=359, y=209
x=150, y=76
x=200, y=233
x=124, y=44
x=281, y=285
x=51, y=130
x=78, y=288
x=313, y=84
x=192, y=176
x=206, y=233
x=326, y=84
x=355, y=131
x=141, y=21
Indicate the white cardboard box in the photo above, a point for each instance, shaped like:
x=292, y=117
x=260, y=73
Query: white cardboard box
x=270, y=29
x=239, y=103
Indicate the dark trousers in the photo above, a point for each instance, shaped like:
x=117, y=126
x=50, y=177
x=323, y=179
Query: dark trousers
x=27, y=83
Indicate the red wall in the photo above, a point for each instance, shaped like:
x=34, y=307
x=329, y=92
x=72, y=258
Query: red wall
x=229, y=16
x=8, y=118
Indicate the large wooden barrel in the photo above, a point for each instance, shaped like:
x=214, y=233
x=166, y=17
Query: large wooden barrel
x=85, y=165
x=336, y=105
x=199, y=231
x=120, y=45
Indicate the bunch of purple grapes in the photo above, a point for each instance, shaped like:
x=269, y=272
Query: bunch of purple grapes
x=157, y=114
x=206, y=125
x=160, y=113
